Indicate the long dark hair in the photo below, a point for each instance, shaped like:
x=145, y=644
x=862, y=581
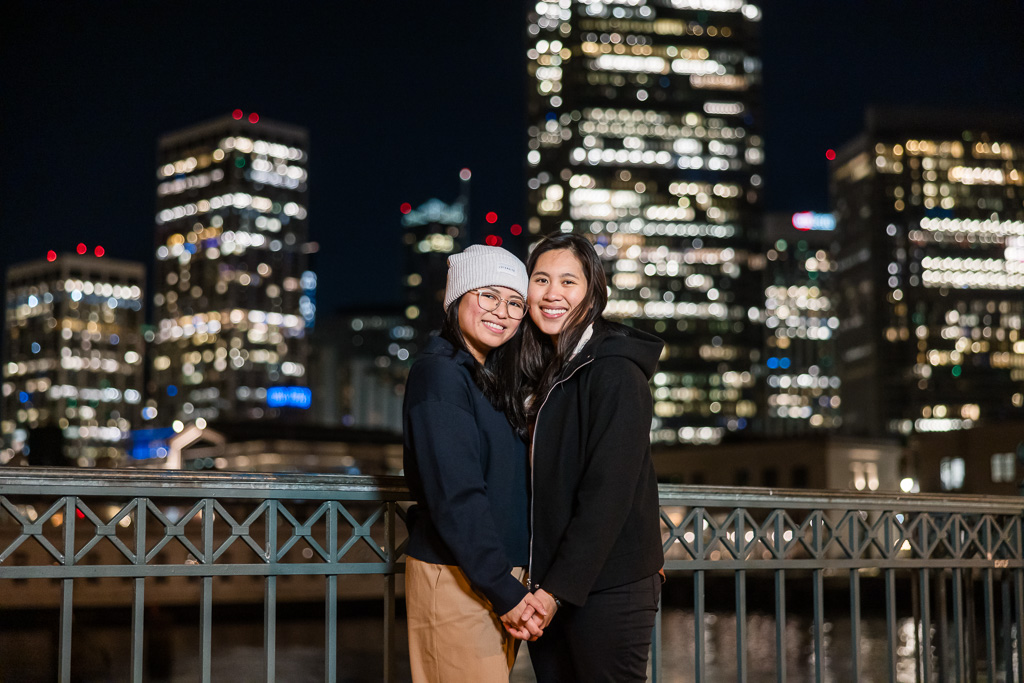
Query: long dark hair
x=498, y=377
x=541, y=361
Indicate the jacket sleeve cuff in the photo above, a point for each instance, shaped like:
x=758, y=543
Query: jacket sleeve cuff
x=507, y=595
x=565, y=591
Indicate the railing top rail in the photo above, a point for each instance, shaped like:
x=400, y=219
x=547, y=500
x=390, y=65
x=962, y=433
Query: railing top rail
x=755, y=497
x=173, y=483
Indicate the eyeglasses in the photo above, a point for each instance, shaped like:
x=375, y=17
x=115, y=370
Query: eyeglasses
x=489, y=301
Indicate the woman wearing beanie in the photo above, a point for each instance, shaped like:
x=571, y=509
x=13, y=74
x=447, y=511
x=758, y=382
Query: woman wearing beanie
x=596, y=551
x=467, y=467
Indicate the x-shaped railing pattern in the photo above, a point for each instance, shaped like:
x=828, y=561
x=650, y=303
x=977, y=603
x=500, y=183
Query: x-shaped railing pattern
x=332, y=530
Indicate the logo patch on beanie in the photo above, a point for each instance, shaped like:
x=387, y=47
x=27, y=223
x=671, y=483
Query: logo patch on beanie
x=506, y=268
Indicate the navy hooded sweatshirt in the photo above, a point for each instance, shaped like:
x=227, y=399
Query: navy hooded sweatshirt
x=468, y=472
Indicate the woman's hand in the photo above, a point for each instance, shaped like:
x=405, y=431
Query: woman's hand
x=547, y=607
x=524, y=620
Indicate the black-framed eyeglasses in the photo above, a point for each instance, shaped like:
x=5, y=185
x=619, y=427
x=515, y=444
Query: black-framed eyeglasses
x=489, y=301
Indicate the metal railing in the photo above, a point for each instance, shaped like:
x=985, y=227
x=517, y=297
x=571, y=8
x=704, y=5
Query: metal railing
x=942, y=555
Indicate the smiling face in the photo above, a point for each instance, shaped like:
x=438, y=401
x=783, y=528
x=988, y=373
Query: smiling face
x=557, y=288
x=485, y=330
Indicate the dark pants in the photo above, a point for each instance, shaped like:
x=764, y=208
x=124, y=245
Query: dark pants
x=606, y=641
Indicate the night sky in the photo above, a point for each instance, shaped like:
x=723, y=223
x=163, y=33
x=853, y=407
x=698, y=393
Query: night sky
x=398, y=96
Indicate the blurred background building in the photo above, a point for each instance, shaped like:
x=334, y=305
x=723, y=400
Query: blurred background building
x=930, y=212
x=233, y=294
x=72, y=358
x=799, y=387
x=430, y=234
x=644, y=134
x=359, y=362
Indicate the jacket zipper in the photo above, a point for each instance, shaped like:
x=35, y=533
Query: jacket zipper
x=530, y=583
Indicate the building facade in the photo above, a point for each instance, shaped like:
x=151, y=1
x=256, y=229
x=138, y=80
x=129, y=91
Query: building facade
x=73, y=358
x=430, y=234
x=234, y=296
x=799, y=382
x=359, y=362
x=930, y=211
x=644, y=136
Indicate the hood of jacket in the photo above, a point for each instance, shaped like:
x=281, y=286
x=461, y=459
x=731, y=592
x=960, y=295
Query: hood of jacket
x=612, y=339
x=439, y=346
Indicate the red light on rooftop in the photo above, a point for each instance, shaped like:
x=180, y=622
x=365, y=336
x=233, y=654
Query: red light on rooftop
x=237, y=114
x=405, y=208
x=830, y=154
x=79, y=514
x=100, y=251
x=51, y=255
x=491, y=217
x=81, y=248
x=254, y=117
x=516, y=229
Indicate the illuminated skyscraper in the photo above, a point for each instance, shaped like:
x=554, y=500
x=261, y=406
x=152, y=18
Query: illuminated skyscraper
x=73, y=357
x=644, y=136
x=432, y=233
x=930, y=211
x=800, y=385
x=234, y=296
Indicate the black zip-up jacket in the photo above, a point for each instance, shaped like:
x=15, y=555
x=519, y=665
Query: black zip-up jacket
x=595, y=507
x=468, y=471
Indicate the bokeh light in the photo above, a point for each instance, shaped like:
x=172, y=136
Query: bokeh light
x=491, y=217
x=465, y=174
x=254, y=117
x=81, y=248
x=237, y=114
x=51, y=255
x=516, y=229
x=99, y=251
x=405, y=208
x=830, y=154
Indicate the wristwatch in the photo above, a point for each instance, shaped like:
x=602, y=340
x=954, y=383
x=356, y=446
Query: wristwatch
x=558, y=603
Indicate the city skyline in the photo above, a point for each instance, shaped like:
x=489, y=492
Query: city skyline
x=403, y=113
x=646, y=136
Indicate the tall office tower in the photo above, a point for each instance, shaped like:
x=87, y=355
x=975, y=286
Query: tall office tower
x=234, y=296
x=360, y=361
x=644, y=137
x=930, y=211
x=432, y=233
x=73, y=357
x=800, y=384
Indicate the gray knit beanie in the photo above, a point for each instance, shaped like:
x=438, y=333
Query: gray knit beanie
x=480, y=266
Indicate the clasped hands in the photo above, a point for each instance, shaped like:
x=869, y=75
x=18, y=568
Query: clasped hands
x=528, y=619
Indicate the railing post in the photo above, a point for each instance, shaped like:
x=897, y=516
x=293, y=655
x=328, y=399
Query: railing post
x=890, y=596
x=780, y=602
x=741, y=603
x=698, y=597
x=270, y=593
x=854, y=541
x=331, y=598
x=206, y=598
x=139, y=599
x=67, y=590
x=389, y=591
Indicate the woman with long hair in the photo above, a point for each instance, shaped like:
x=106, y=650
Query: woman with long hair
x=596, y=550
x=467, y=467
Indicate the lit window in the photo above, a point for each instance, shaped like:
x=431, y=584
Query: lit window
x=1004, y=467
x=951, y=472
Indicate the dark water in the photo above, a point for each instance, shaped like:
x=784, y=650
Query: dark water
x=101, y=648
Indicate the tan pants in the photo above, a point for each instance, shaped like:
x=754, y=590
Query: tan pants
x=453, y=634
